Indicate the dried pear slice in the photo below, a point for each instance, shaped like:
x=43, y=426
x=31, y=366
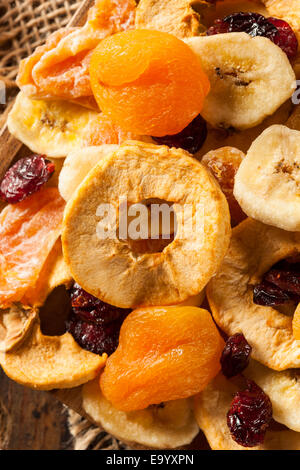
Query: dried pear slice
x=16, y=323
x=283, y=388
x=167, y=427
x=47, y=362
x=253, y=250
x=53, y=128
x=182, y=18
x=107, y=267
x=211, y=408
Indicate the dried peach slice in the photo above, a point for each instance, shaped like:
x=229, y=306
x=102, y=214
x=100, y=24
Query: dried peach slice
x=139, y=172
x=28, y=232
x=296, y=323
x=148, y=82
x=223, y=164
x=60, y=68
x=164, y=353
x=167, y=426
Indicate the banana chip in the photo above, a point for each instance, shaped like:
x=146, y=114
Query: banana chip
x=211, y=407
x=167, y=426
x=52, y=128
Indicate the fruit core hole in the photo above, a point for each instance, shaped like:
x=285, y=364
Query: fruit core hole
x=148, y=226
x=55, y=311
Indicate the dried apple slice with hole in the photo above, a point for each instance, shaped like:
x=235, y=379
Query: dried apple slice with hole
x=254, y=249
x=166, y=426
x=107, y=267
x=211, y=407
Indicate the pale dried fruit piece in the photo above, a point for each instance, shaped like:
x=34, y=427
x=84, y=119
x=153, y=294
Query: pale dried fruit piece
x=224, y=164
x=242, y=70
x=283, y=388
x=78, y=164
x=267, y=181
x=166, y=426
x=60, y=68
x=296, y=323
x=106, y=267
x=53, y=128
x=254, y=249
x=182, y=18
x=16, y=323
x=47, y=362
x=194, y=300
x=211, y=407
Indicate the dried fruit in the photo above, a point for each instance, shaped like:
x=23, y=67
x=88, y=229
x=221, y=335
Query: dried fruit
x=16, y=323
x=60, y=68
x=94, y=325
x=191, y=138
x=28, y=232
x=296, y=323
x=103, y=131
x=148, y=82
x=25, y=177
x=224, y=163
x=249, y=416
x=268, y=294
x=254, y=24
x=158, y=348
x=236, y=355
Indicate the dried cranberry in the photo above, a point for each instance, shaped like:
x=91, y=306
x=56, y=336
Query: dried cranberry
x=286, y=276
x=250, y=415
x=236, y=355
x=268, y=294
x=95, y=325
x=255, y=24
x=25, y=177
x=191, y=138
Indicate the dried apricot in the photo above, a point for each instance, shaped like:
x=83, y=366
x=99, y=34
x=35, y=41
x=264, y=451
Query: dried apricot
x=223, y=163
x=60, y=68
x=28, y=232
x=296, y=323
x=164, y=353
x=148, y=82
x=103, y=131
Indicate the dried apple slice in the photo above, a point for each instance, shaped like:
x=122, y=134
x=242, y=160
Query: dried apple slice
x=253, y=250
x=211, y=407
x=167, y=426
x=107, y=267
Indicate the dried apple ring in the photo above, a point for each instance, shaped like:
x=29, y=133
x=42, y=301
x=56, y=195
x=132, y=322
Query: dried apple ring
x=253, y=250
x=148, y=82
x=167, y=426
x=108, y=268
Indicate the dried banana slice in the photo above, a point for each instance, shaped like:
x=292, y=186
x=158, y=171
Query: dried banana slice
x=283, y=389
x=78, y=164
x=211, y=407
x=267, y=183
x=182, y=18
x=254, y=249
x=53, y=128
x=107, y=266
x=167, y=427
x=246, y=76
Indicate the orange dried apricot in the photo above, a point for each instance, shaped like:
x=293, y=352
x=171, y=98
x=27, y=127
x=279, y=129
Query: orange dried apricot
x=28, y=232
x=164, y=353
x=60, y=68
x=223, y=163
x=103, y=131
x=296, y=323
x=148, y=82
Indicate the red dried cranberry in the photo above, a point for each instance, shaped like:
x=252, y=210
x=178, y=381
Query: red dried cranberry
x=25, y=177
x=254, y=24
x=191, y=138
x=285, y=37
x=268, y=294
x=95, y=325
x=286, y=276
x=249, y=416
x=236, y=355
